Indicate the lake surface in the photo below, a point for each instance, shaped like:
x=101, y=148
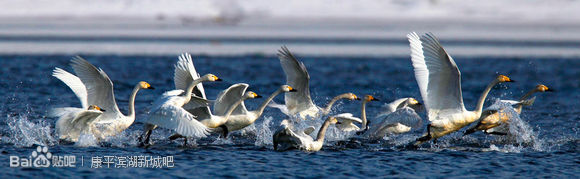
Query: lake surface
x=546, y=147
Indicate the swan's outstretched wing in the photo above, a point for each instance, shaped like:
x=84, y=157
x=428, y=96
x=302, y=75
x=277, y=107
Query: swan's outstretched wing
x=437, y=75
x=84, y=118
x=184, y=75
x=405, y=116
x=391, y=107
x=228, y=97
x=176, y=118
x=282, y=107
x=345, y=122
x=74, y=83
x=59, y=112
x=99, y=86
x=298, y=78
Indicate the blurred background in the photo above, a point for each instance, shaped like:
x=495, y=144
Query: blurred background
x=516, y=28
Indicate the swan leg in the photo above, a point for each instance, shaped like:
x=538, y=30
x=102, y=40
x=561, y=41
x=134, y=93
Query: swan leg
x=426, y=137
x=147, y=135
x=225, y=131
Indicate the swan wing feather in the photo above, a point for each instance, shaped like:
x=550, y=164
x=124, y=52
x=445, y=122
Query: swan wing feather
x=74, y=83
x=177, y=119
x=228, y=97
x=437, y=75
x=298, y=78
x=99, y=86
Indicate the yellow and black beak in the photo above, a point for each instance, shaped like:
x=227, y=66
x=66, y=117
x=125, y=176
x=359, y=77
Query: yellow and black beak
x=258, y=96
x=293, y=90
x=218, y=79
x=150, y=87
x=550, y=90
x=375, y=99
x=101, y=109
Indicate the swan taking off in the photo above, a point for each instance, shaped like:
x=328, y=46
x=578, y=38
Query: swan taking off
x=439, y=82
x=491, y=119
x=167, y=112
x=242, y=118
x=300, y=103
x=346, y=119
x=398, y=117
x=93, y=86
x=174, y=105
x=286, y=139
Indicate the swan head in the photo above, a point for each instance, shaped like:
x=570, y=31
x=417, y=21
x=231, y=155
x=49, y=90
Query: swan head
x=369, y=98
x=211, y=77
x=95, y=107
x=333, y=120
x=503, y=78
x=413, y=101
x=542, y=88
x=145, y=85
x=287, y=88
x=351, y=96
x=251, y=94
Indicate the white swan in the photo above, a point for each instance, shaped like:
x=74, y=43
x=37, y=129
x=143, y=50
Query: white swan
x=93, y=86
x=300, y=102
x=242, y=118
x=491, y=119
x=439, y=82
x=75, y=121
x=346, y=119
x=286, y=139
x=167, y=112
x=398, y=117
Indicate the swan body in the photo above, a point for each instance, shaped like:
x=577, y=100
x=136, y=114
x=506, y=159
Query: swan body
x=439, y=82
x=286, y=139
x=93, y=86
x=300, y=103
x=242, y=118
x=492, y=119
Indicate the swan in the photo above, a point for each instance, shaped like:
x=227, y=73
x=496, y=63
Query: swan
x=167, y=112
x=300, y=102
x=243, y=118
x=225, y=106
x=439, y=82
x=398, y=117
x=93, y=86
x=286, y=139
x=75, y=121
x=346, y=119
x=492, y=118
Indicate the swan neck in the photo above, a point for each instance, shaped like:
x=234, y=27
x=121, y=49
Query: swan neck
x=189, y=89
x=267, y=101
x=322, y=131
x=233, y=107
x=132, y=101
x=331, y=103
x=519, y=107
x=481, y=100
x=363, y=114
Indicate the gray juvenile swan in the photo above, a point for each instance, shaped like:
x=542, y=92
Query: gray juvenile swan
x=496, y=121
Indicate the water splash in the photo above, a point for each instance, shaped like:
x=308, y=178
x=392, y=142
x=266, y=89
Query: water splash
x=87, y=140
x=264, y=132
x=25, y=133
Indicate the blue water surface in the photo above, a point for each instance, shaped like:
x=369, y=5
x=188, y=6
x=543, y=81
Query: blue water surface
x=29, y=91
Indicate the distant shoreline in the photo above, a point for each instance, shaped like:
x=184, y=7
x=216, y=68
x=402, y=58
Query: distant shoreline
x=316, y=37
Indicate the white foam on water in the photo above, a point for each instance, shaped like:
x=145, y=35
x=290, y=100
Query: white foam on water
x=24, y=133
